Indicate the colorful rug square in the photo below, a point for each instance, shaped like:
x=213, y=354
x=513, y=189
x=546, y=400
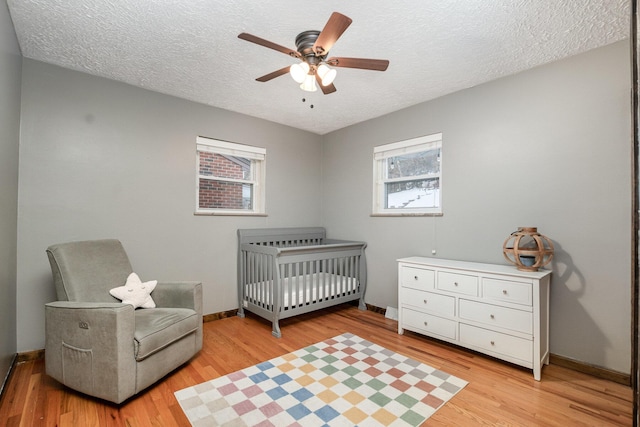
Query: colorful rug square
x=343, y=381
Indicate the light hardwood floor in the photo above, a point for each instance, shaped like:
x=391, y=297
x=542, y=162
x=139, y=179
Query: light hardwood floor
x=498, y=394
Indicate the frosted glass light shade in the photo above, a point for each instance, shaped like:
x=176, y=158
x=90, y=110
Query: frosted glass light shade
x=326, y=74
x=309, y=83
x=299, y=71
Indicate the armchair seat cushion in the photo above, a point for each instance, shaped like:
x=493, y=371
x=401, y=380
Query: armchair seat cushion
x=157, y=328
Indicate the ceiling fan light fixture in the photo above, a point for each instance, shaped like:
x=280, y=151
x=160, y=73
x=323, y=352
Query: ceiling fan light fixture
x=299, y=71
x=309, y=83
x=327, y=75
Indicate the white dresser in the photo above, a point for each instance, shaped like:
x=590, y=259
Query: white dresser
x=494, y=309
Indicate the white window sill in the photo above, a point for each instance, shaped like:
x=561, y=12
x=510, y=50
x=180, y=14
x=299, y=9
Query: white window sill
x=228, y=213
x=407, y=214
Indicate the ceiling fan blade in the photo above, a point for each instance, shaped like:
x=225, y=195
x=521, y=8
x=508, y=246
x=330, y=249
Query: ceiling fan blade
x=266, y=43
x=362, y=63
x=273, y=75
x=333, y=29
x=330, y=88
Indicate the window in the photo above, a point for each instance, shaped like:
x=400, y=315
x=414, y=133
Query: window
x=407, y=177
x=230, y=178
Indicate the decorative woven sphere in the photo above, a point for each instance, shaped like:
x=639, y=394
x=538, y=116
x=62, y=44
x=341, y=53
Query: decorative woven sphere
x=528, y=249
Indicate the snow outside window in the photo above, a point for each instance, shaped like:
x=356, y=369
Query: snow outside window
x=407, y=177
x=230, y=178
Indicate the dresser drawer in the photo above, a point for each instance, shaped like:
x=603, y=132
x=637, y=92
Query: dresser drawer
x=493, y=315
x=427, y=323
x=417, y=278
x=496, y=342
x=505, y=290
x=428, y=301
x=458, y=283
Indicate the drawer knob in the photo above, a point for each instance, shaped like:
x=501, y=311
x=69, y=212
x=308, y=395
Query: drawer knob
x=504, y=292
x=415, y=277
x=424, y=301
x=492, y=316
x=455, y=283
x=425, y=323
x=493, y=343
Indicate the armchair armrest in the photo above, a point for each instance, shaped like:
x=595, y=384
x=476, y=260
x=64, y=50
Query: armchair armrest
x=89, y=347
x=178, y=295
x=84, y=305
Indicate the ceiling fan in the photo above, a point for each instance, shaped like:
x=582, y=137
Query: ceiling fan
x=312, y=49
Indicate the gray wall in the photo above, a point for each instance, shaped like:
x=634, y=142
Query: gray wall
x=103, y=159
x=10, y=68
x=549, y=147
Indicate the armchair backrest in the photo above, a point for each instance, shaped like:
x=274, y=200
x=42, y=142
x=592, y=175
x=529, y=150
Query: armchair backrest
x=86, y=271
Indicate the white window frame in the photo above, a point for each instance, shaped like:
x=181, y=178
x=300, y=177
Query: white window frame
x=258, y=157
x=382, y=152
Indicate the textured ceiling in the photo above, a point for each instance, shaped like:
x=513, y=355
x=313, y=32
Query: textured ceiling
x=190, y=49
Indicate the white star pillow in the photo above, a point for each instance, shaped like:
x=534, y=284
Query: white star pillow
x=135, y=292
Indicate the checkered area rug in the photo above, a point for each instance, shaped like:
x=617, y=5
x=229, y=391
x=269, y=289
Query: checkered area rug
x=343, y=381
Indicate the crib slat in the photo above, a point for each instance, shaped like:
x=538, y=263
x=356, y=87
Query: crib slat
x=250, y=274
x=315, y=282
x=313, y=272
x=335, y=271
x=297, y=285
x=354, y=280
x=322, y=266
x=292, y=285
x=255, y=279
x=262, y=279
x=349, y=272
x=251, y=287
x=339, y=275
x=264, y=285
x=285, y=274
x=348, y=262
x=329, y=277
x=304, y=274
x=284, y=285
x=258, y=279
x=336, y=276
x=359, y=280
x=270, y=277
x=345, y=276
x=255, y=285
x=333, y=268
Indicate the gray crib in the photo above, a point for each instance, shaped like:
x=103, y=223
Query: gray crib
x=283, y=272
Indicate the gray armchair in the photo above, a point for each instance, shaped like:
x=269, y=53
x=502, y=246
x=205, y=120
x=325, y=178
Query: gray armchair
x=99, y=346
